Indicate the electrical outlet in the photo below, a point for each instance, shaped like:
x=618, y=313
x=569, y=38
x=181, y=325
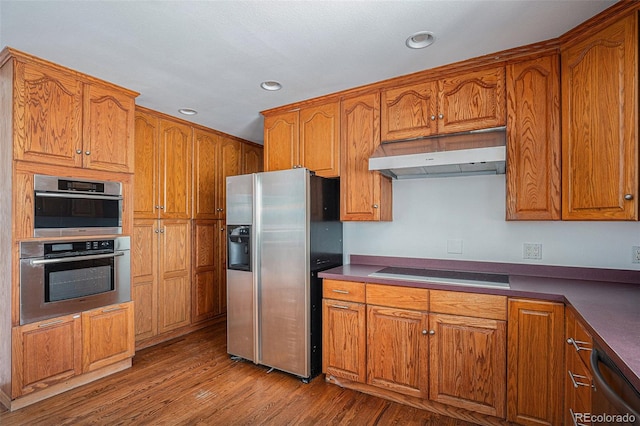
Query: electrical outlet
x=532, y=251
x=635, y=254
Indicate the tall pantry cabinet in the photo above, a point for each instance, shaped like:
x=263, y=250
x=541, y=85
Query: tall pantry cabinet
x=161, y=242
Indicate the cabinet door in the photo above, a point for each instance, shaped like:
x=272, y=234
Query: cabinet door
x=229, y=165
x=108, y=130
x=206, y=270
x=533, y=146
x=174, y=286
x=50, y=128
x=578, y=381
x=535, y=353
x=599, y=125
x=364, y=195
x=409, y=112
x=397, y=350
x=281, y=141
x=175, y=170
x=205, y=182
x=344, y=340
x=252, y=159
x=472, y=101
x=45, y=353
x=144, y=277
x=145, y=184
x=468, y=363
x=320, y=139
x=108, y=336
x=222, y=266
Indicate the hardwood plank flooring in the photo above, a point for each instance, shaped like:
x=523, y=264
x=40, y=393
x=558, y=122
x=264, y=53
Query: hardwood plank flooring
x=192, y=381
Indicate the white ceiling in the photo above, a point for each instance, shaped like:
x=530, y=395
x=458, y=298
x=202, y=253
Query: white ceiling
x=212, y=55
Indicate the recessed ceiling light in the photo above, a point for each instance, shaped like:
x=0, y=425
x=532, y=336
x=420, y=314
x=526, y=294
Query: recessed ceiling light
x=271, y=85
x=420, y=40
x=187, y=111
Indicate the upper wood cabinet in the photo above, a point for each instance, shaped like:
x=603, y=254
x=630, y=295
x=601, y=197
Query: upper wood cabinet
x=162, y=183
x=307, y=138
x=215, y=158
x=252, y=158
x=600, y=122
x=364, y=195
x=70, y=121
x=533, y=140
x=535, y=355
x=459, y=103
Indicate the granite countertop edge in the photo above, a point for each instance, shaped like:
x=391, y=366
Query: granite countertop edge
x=606, y=301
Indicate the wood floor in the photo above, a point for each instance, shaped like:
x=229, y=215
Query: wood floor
x=192, y=381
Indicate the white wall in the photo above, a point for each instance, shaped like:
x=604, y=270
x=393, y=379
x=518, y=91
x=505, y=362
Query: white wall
x=427, y=213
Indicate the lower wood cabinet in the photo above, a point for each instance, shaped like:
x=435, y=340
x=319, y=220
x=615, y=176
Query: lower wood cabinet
x=535, y=360
x=209, y=282
x=161, y=275
x=468, y=363
x=55, y=350
x=577, y=374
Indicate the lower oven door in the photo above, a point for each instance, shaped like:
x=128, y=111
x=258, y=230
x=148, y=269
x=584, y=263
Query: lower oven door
x=61, y=286
x=614, y=400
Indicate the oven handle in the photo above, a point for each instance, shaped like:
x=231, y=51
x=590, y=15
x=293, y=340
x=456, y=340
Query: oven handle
x=78, y=195
x=603, y=386
x=75, y=259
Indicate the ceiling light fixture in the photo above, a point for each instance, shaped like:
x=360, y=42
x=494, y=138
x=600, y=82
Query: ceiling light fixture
x=187, y=111
x=271, y=85
x=420, y=40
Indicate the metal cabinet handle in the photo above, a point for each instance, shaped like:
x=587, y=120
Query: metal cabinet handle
x=573, y=418
x=339, y=306
x=161, y=207
x=575, y=382
x=576, y=343
x=432, y=332
x=162, y=231
x=50, y=323
x=425, y=332
x=440, y=116
x=375, y=206
x=157, y=231
x=628, y=197
x=78, y=151
x=335, y=290
x=433, y=117
x=87, y=152
x=115, y=308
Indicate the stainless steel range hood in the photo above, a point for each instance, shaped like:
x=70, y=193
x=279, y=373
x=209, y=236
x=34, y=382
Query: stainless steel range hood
x=459, y=154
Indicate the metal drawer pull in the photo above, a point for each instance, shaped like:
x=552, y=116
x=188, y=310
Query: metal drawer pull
x=115, y=308
x=573, y=418
x=34, y=262
x=340, y=306
x=50, y=323
x=575, y=383
x=575, y=344
x=340, y=291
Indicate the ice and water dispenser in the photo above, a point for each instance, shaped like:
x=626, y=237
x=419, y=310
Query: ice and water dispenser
x=239, y=247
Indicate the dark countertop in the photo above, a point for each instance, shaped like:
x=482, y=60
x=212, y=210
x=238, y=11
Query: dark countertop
x=606, y=300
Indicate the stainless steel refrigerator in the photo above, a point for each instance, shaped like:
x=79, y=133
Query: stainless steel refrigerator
x=282, y=229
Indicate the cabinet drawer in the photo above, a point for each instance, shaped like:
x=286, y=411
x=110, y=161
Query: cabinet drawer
x=578, y=339
x=469, y=304
x=343, y=290
x=398, y=297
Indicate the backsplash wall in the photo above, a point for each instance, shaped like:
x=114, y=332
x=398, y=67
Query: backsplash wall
x=433, y=216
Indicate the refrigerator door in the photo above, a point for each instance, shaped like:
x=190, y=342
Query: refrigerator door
x=241, y=284
x=283, y=316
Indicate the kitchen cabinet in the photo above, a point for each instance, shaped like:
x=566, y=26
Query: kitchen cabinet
x=344, y=334
x=107, y=336
x=252, y=158
x=162, y=167
x=209, y=269
x=600, y=122
x=215, y=158
x=55, y=350
x=307, y=138
x=161, y=276
x=69, y=120
x=456, y=103
x=578, y=380
x=533, y=139
x=467, y=351
x=364, y=195
x=397, y=339
x=535, y=362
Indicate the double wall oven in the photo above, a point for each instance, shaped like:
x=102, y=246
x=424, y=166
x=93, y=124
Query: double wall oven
x=78, y=259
